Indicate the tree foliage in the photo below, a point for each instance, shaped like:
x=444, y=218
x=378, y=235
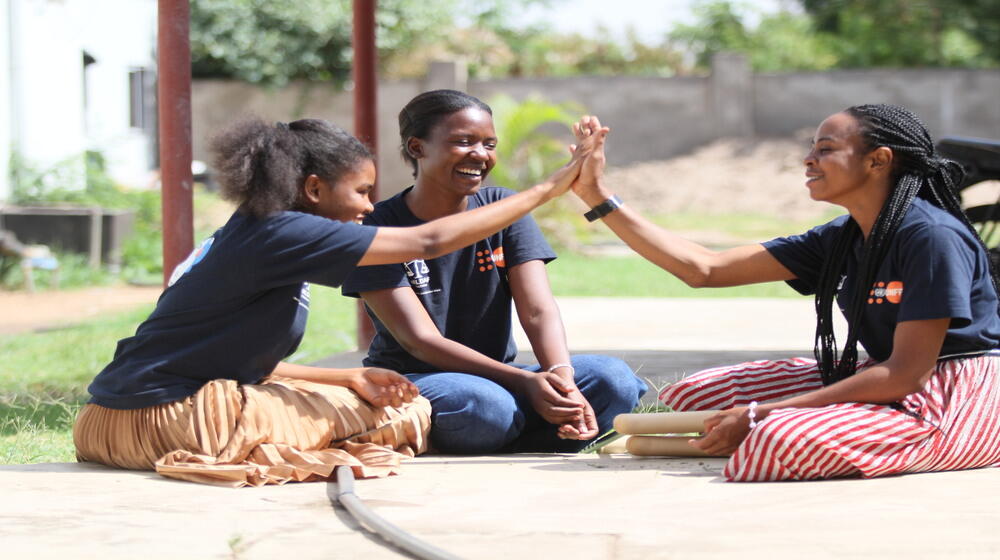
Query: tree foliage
x=906, y=33
x=274, y=41
x=848, y=34
x=780, y=41
x=533, y=135
x=526, y=153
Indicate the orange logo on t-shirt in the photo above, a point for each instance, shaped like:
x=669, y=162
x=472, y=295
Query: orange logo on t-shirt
x=894, y=291
x=485, y=260
x=891, y=292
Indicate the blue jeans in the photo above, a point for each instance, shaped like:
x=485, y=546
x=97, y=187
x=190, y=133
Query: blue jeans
x=471, y=414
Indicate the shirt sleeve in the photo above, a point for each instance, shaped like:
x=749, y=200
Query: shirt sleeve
x=306, y=248
x=805, y=253
x=376, y=277
x=937, y=271
x=523, y=240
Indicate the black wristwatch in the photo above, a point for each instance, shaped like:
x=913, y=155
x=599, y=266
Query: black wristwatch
x=604, y=208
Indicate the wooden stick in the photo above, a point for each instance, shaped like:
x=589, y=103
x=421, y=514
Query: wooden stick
x=663, y=422
x=658, y=446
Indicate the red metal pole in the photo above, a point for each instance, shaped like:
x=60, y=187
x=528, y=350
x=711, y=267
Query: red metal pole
x=365, y=77
x=174, y=107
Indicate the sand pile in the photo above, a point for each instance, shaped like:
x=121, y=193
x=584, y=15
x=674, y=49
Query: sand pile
x=733, y=175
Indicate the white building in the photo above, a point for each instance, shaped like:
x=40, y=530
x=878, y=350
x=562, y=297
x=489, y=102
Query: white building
x=78, y=75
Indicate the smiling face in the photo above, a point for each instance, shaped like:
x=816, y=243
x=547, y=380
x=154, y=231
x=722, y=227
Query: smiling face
x=348, y=199
x=837, y=165
x=458, y=153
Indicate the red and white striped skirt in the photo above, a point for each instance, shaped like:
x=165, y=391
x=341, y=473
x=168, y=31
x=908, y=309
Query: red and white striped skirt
x=952, y=424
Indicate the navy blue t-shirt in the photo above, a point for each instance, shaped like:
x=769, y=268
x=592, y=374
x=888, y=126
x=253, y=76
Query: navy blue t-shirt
x=935, y=269
x=236, y=307
x=465, y=292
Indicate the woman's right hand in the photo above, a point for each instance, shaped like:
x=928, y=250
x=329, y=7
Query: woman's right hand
x=588, y=181
x=589, y=141
x=546, y=392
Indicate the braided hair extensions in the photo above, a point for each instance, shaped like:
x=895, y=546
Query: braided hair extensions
x=917, y=171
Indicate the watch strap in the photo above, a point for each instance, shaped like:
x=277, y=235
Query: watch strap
x=604, y=208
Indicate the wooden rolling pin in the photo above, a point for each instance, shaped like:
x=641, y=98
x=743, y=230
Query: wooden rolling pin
x=658, y=446
x=663, y=422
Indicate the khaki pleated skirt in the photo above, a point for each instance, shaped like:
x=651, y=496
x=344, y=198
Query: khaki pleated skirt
x=235, y=435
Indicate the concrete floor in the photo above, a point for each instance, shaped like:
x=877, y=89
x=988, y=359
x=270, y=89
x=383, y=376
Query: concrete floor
x=502, y=507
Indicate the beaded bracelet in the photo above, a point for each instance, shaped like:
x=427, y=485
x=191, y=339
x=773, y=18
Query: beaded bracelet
x=752, y=414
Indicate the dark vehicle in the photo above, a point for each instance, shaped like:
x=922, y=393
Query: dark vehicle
x=981, y=160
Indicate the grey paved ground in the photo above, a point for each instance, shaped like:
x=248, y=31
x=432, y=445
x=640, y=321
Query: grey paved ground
x=518, y=506
x=531, y=506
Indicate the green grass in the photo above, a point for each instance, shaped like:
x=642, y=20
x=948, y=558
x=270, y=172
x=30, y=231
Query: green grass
x=744, y=228
x=331, y=329
x=60, y=362
x=36, y=430
x=633, y=276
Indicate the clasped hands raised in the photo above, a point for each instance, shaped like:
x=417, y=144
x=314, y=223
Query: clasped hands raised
x=590, y=136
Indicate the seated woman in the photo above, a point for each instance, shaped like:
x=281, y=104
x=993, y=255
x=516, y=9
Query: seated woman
x=446, y=322
x=200, y=391
x=911, y=276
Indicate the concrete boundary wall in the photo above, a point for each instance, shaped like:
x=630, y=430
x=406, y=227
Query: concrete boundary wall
x=950, y=102
x=652, y=118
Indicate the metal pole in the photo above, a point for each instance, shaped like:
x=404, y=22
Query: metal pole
x=174, y=108
x=365, y=75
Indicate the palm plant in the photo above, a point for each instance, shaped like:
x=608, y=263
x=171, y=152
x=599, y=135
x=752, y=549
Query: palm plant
x=529, y=150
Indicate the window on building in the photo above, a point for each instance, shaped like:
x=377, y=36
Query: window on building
x=138, y=79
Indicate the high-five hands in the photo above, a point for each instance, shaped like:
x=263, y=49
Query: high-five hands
x=590, y=142
x=592, y=170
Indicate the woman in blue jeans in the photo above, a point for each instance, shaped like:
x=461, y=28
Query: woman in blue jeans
x=446, y=322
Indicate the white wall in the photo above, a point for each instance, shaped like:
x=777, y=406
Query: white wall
x=46, y=83
x=121, y=35
x=5, y=101
x=42, y=89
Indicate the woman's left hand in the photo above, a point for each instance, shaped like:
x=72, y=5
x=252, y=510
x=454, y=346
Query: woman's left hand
x=383, y=387
x=724, y=432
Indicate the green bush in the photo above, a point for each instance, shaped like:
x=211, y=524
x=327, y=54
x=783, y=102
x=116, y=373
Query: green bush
x=141, y=253
x=528, y=151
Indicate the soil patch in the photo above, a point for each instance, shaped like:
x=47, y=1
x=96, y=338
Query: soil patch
x=763, y=176
x=24, y=312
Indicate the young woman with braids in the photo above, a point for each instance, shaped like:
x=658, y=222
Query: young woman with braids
x=912, y=278
x=200, y=392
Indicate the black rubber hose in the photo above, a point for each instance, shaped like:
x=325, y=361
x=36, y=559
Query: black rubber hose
x=391, y=533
